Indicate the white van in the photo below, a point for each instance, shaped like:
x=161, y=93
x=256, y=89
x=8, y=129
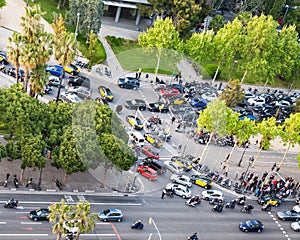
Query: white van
x=137, y=138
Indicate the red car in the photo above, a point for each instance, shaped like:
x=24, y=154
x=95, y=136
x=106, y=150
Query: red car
x=150, y=152
x=147, y=172
x=169, y=92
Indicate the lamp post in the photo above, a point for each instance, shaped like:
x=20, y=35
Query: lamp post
x=246, y=146
x=77, y=23
x=150, y=222
x=251, y=159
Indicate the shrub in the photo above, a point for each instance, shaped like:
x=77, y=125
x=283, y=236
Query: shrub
x=115, y=41
x=210, y=70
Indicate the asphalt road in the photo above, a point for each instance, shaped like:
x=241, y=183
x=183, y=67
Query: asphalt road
x=172, y=217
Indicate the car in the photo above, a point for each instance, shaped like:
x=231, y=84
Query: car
x=12, y=72
x=129, y=83
x=79, y=81
x=201, y=181
x=257, y=101
x=269, y=199
x=182, y=162
x=157, y=165
x=198, y=103
x=82, y=92
x=180, y=109
x=147, y=172
x=181, y=179
x=70, y=98
x=136, y=104
x=289, y=215
x=179, y=87
x=296, y=226
x=173, y=167
x=251, y=226
x=55, y=70
x=209, y=96
x=281, y=104
x=72, y=69
x=249, y=94
x=39, y=214
x=106, y=93
x=296, y=208
x=153, y=140
x=3, y=58
x=135, y=122
x=55, y=81
x=150, y=152
x=47, y=89
x=158, y=107
x=179, y=190
x=169, y=92
x=111, y=214
x=175, y=100
x=212, y=194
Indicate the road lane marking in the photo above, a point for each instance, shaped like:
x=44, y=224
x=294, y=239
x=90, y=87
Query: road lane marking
x=91, y=203
x=102, y=223
x=98, y=235
x=2, y=222
x=115, y=230
x=30, y=223
x=23, y=235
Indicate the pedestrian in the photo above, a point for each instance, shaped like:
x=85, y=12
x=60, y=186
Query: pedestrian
x=226, y=172
x=163, y=193
x=136, y=75
x=236, y=175
x=273, y=167
x=277, y=170
x=173, y=119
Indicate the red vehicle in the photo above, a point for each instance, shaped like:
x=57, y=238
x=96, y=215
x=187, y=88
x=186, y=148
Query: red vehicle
x=150, y=152
x=147, y=172
x=169, y=92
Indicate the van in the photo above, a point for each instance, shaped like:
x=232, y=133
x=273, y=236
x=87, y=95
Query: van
x=137, y=138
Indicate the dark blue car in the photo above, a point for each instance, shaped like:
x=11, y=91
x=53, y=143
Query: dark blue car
x=251, y=226
x=55, y=70
x=198, y=103
x=129, y=83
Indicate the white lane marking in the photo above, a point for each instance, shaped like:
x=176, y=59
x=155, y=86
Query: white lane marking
x=29, y=223
x=98, y=234
x=102, y=223
x=2, y=222
x=22, y=235
x=102, y=203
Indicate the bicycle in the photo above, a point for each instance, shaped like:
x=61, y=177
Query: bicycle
x=99, y=70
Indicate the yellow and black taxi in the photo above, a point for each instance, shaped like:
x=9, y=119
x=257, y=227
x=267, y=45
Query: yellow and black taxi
x=72, y=69
x=201, y=181
x=182, y=162
x=269, y=199
x=135, y=122
x=106, y=93
x=153, y=140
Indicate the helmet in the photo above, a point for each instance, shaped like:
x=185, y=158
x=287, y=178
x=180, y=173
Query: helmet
x=139, y=221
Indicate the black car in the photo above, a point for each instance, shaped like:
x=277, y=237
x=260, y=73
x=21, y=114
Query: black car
x=158, y=107
x=12, y=72
x=157, y=165
x=39, y=214
x=129, y=83
x=79, y=81
x=251, y=226
x=136, y=104
x=290, y=215
x=268, y=198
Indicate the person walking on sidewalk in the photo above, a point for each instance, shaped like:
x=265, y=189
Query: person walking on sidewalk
x=163, y=193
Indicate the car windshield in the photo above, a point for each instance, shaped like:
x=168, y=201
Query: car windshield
x=106, y=211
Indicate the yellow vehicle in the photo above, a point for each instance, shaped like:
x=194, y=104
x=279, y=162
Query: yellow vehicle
x=273, y=201
x=106, y=93
x=201, y=181
x=135, y=122
x=176, y=100
x=153, y=140
x=72, y=69
x=182, y=162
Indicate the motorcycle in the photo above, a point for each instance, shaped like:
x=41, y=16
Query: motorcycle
x=247, y=209
x=193, y=201
x=231, y=204
x=266, y=207
x=241, y=200
x=215, y=201
x=29, y=181
x=217, y=208
x=137, y=225
x=6, y=180
x=58, y=184
x=70, y=236
x=193, y=237
x=16, y=181
x=12, y=203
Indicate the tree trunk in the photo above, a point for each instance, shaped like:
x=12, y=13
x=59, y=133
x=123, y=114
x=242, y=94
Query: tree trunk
x=265, y=85
x=17, y=73
x=65, y=179
x=204, y=150
x=285, y=153
x=64, y=4
x=215, y=76
x=58, y=236
x=244, y=76
x=59, y=4
x=157, y=65
x=26, y=78
x=257, y=156
x=230, y=154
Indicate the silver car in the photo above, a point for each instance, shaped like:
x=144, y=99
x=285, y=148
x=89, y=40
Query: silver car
x=174, y=167
x=82, y=92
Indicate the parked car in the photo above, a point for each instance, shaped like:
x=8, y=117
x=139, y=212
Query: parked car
x=70, y=98
x=55, y=70
x=150, y=152
x=82, y=92
x=181, y=179
x=147, y=172
x=169, y=92
x=47, y=89
x=256, y=101
x=175, y=100
x=135, y=122
x=179, y=190
x=296, y=208
x=136, y=104
x=289, y=215
x=129, y=83
x=296, y=226
x=173, y=167
x=3, y=58
x=198, y=103
x=55, y=81
x=72, y=69
x=158, y=107
x=39, y=214
x=12, y=72
x=106, y=93
x=153, y=140
x=249, y=94
x=155, y=164
x=251, y=226
x=182, y=162
x=201, y=181
x=111, y=214
x=79, y=81
x=212, y=194
x=209, y=96
x=269, y=199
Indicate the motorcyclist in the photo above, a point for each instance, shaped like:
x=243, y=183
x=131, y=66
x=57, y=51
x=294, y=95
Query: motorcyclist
x=138, y=223
x=193, y=237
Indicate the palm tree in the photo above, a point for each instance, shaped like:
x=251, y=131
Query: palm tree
x=38, y=80
x=14, y=51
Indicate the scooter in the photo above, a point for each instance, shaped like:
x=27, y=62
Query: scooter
x=12, y=203
x=70, y=236
x=241, y=200
x=16, y=181
x=217, y=208
x=137, y=225
x=58, y=184
x=193, y=237
x=29, y=181
x=6, y=180
x=247, y=209
x=231, y=204
x=193, y=201
x=266, y=207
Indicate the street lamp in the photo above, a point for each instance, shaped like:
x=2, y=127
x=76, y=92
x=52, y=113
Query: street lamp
x=77, y=23
x=150, y=222
x=245, y=147
x=251, y=159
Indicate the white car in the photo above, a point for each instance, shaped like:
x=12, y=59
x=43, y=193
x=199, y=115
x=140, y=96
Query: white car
x=181, y=179
x=257, y=101
x=174, y=167
x=82, y=92
x=296, y=208
x=209, y=96
x=70, y=98
x=55, y=81
x=212, y=194
x=179, y=190
x=282, y=104
x=249, y=95
x=296, y=226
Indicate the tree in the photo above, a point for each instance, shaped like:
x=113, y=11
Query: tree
x=2, y=3
x=297, y=105
x=38, y=79
x=233, y=94
x=14, y=51
x=92, y=49
x=217, y=23
x=3, y=152
x=274, y=8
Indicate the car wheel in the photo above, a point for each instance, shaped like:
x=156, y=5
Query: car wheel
x=134, y=88
x=206, y=198
x=206, y=187
x=246, y=230
x=277, y=204
x=183, y=196
x=121, y=86
x=119, y=220
x=35, y=219
x=259, y=230
x=72, y=73
x=105, y=220
x=283, y=219
x=150, y=179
